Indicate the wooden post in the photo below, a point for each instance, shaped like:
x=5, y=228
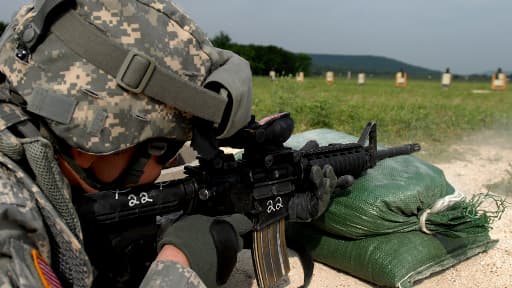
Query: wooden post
x=361, y=79
x=329, y=77
x=300, y=77
x=401, y=79
x=499, y=81
x=272, y=75
x=446, y=78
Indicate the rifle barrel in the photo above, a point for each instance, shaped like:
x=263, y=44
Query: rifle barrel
x=398, y=150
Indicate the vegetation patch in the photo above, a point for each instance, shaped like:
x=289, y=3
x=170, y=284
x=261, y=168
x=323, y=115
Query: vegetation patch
x=422, y=112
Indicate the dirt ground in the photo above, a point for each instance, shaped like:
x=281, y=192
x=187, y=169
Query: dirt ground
x=486, y=159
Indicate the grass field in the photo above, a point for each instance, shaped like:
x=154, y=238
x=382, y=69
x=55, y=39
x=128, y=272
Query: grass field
x=423, y=112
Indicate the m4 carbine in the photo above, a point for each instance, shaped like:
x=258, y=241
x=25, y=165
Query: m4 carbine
x=260, y=185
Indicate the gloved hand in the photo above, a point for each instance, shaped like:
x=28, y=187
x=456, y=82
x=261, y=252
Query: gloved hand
x=313, y=203
x=211, y=244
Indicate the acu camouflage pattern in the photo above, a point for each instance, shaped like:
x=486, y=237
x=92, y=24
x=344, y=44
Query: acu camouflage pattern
x=171, y=274
x=106, y=118
x=35, y=214
x=32, y=219
x=32, y=212
x=28, y=217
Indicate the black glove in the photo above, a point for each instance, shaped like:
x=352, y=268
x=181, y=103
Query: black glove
x=313, y=203
x=211, y=244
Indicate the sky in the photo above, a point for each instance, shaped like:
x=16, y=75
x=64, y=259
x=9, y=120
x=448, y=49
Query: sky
x=468, y=36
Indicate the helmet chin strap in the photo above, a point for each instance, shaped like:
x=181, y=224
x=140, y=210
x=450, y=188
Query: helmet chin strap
x=135, y=166
x=31, y=34
x=73, y=176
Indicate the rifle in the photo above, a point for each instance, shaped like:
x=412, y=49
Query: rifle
x=259, y=185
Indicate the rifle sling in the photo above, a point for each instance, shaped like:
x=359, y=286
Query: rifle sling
x=306, y=260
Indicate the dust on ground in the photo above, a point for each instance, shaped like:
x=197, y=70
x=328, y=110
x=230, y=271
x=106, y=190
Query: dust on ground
x=486, y=160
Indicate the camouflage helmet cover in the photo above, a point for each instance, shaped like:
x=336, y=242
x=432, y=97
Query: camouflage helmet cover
x=105, y=117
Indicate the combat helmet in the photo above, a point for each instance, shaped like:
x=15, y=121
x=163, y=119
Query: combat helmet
x=107, y=75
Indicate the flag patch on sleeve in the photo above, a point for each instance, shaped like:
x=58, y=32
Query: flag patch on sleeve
x=48, y=278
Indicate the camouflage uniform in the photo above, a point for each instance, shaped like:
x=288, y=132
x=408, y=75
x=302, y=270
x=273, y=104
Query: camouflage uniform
x=27, y=213
x=94, y=114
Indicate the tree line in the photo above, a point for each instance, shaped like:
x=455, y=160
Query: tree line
x=263, y=59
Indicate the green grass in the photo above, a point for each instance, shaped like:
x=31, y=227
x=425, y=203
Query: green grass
x=422, y=112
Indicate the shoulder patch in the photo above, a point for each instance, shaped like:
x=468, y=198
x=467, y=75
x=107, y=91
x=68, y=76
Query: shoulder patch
x=48, y=278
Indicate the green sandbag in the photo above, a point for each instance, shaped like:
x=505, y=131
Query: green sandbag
x=371, y=230
x=392, y=196
x=393, y=260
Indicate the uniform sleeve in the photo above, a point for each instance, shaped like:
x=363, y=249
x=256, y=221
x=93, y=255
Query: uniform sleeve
x=24, y=244
x=171, y=274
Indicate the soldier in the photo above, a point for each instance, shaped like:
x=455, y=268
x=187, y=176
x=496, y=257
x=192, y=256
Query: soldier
x=100, y=95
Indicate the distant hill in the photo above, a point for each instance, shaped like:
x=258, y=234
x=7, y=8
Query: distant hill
x=490, y=72
x=376, y=65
